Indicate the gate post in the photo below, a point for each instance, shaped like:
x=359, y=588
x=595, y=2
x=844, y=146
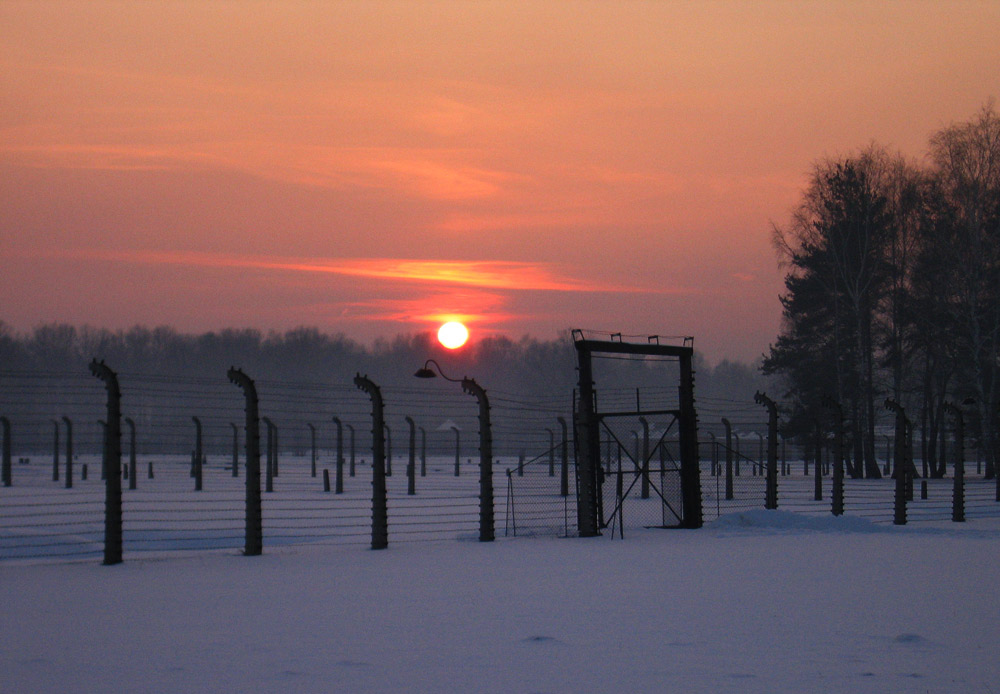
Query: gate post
x=113, y=461
x=254, y=536
x=380, y=522
x=588, y=441
x=729, y=458
x=771, y=496
x=339, y=484
x=132, y=482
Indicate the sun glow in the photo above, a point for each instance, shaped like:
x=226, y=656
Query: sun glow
x=453, y=334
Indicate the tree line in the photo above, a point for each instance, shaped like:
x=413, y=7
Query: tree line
x=527, y=367
x=893, y=291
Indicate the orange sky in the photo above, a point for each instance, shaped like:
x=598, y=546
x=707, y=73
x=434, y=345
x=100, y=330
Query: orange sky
x=373, y=167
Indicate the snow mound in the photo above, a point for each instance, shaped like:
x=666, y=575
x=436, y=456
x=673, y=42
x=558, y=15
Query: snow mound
x=786, y=520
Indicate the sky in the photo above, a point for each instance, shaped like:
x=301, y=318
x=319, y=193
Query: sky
x=376, y=168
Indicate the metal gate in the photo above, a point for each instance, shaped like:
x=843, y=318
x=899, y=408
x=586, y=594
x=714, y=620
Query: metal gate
x=666, y=473
x=640, y=479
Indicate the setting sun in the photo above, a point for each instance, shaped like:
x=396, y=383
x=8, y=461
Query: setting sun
x=453, y=334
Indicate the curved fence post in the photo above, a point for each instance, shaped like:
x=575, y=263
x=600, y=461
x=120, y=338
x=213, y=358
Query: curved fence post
x=113, y=461
x=457, y=450
x=197, y=454
x=486, y=530
x=729, y=458
x=132, y=483
x=380, y=522
x=771, y=496
x=253, y=534
x=411, y=466
x=340, y=456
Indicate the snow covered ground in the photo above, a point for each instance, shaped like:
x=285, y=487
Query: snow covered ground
x=766, y=601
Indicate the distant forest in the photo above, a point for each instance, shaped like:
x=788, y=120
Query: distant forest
x=893, y=291
x=526, y=367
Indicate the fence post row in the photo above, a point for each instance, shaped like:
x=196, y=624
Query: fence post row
x=380, y=523
x=113, y=462
x=253, y=535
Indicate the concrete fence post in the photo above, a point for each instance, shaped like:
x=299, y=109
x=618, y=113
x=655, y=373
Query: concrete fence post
x=113, y=462
x=253, y=533
x=380, y=523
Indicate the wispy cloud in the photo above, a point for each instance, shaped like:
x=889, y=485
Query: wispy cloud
x=486, y=274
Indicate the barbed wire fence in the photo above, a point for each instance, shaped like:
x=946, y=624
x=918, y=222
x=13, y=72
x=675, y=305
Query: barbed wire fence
x=52, y=504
